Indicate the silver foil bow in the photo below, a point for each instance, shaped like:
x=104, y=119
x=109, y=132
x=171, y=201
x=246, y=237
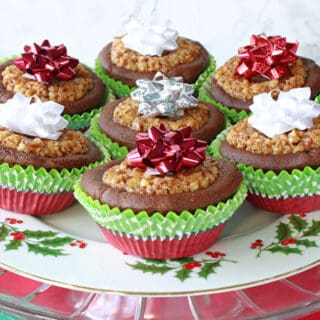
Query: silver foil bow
x=163, y=96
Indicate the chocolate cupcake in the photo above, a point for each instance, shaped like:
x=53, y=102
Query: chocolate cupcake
x=278, y=150
x=267, y=64
x=40, y=159
x=167, y=199
x=49, y=73
x=147, y=48
x=165, y=100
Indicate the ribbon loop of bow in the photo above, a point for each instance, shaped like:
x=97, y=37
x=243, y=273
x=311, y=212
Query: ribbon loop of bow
x=270, y=57
x=162, y=96
x=167, y=151
x=46, y=63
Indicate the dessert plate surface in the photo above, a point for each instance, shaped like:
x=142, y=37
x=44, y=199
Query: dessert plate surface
x=68, y=250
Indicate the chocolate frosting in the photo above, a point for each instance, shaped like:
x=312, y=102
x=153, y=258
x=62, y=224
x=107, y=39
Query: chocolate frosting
x=223, y=188
x=189, y=71
x=88, y=102
x=275, y=162
x=125, y=136
x=312, y=81
x=24, y=159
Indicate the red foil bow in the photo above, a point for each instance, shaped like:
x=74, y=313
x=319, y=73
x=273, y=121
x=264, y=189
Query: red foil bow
x=266, y=56
x=46, y=63
x=167, y=151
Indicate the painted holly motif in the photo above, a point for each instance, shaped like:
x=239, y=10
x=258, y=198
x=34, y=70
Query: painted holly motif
x=47, y=243
x=184, y=268
x=291, y=237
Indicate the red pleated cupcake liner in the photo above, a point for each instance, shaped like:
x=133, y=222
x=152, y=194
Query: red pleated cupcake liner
x=167, y=248
x=34, y=203
x=290, y=205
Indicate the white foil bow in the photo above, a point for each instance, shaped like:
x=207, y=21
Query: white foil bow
x=38, y=119
x=292, y=110
x=166, y=97
x=151, y=37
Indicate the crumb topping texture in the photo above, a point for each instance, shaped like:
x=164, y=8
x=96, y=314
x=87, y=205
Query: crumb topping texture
x=245, y=137
x=123, y=176
x=126, y=114
x=245, y=89
x=69, y=143
x=59, y=91
x=186, y=52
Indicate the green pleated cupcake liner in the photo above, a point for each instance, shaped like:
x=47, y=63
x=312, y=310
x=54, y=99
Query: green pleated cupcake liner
x=79, y=121
x=285, y=184
x=205, y=95
x=158, y=225
x=82, y=121
x=204, y=75
x=121, y=90
x=3, y=60
x=42, y=180
x=97, y=135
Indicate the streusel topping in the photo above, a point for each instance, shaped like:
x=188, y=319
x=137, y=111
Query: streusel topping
x=69, y=143
x=123, y=176
x=242, y=88
x=126, y=114
x=245, y=137
x=126, y=58
x=59, y=91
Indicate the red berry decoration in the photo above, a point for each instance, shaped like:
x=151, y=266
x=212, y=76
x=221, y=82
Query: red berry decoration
x=17, y=236
x=292, y=240
x=258, y=243
x=82, y=245
x=216, y=254
x=78, y=243
x=286, y=242
x=302, y=215
x=192, y=265
x=11, y=220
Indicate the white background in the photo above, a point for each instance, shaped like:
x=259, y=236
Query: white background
x=85, y=26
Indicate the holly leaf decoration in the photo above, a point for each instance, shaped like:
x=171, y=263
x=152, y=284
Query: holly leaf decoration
x=313, y=230
x=283, y=231
x=154, y=261
x=286, y=250
x=4, y=231
x=45, y=251
x=298, y=223
x=183, y=274
x=307, y=243
x=39, y=234
x=183, y=260
x=152, y=268
x=209, y=268
x=56, y=242
x=13, y=245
